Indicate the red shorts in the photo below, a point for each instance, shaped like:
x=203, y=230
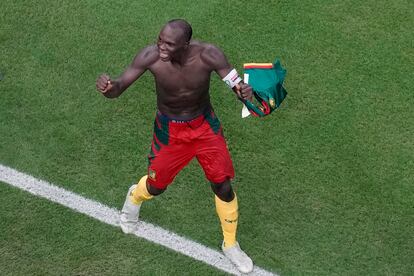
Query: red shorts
x=175, y=143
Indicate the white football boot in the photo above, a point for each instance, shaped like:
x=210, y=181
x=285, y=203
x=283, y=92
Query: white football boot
x=129, y=214
x=240, y=259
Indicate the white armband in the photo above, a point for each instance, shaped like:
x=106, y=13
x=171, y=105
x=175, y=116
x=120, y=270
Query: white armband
x=232, y=78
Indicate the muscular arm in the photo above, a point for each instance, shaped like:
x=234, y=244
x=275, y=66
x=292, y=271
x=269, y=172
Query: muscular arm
x=216, y=59
x=114, y=88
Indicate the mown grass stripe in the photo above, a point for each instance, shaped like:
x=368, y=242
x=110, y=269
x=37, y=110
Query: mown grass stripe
x=110, y=216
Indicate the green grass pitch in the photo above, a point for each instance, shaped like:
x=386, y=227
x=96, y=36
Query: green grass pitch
x=325, y=184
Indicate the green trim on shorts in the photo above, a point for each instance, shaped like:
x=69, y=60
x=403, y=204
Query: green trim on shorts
x=213, y=121
x=162, y=133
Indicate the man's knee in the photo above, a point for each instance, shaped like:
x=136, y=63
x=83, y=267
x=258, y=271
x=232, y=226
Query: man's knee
x=223, y=190
x=154, y=190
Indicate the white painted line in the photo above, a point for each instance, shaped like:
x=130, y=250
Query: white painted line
x=110, y=215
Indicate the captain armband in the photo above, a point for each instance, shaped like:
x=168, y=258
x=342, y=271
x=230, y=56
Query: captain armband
x=232, y=78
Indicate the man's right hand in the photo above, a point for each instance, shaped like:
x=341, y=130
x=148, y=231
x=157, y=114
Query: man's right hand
x=103, y=83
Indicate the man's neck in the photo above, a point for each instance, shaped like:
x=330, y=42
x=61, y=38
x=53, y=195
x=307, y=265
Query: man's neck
x=182, y=58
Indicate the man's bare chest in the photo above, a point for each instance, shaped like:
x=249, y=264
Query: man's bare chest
x=189, y=77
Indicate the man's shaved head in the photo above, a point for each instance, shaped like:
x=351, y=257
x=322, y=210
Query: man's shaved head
x=183, y=25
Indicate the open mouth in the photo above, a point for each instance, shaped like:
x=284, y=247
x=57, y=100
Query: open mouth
x=164, y=56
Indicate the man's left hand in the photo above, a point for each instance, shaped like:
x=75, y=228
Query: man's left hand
x=244, y=91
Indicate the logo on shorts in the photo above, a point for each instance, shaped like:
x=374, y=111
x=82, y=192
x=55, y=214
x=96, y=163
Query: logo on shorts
x=151, y=174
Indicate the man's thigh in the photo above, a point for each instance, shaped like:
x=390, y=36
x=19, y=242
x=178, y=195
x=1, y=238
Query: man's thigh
x=214, y=157
x=166, y=163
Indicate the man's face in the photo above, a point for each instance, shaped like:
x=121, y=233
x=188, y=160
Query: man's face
x=171, y=43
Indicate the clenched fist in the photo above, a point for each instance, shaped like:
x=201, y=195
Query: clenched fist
x=103, y=83
x=244, y=91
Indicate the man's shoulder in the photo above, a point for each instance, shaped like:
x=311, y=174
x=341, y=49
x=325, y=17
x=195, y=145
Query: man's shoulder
x=210, y=54
x=205, y=48
x=147, y=55
x=149, y=52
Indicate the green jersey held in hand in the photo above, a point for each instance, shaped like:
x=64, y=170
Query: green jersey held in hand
x=266, y=79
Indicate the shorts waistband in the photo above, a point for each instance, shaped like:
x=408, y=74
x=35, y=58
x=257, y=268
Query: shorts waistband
x=166, y=118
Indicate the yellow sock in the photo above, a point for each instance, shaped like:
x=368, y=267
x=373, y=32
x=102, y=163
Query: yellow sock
x=140, y=193
x=228, y=213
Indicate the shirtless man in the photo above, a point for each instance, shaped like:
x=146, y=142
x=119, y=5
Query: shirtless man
x=185, y=125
